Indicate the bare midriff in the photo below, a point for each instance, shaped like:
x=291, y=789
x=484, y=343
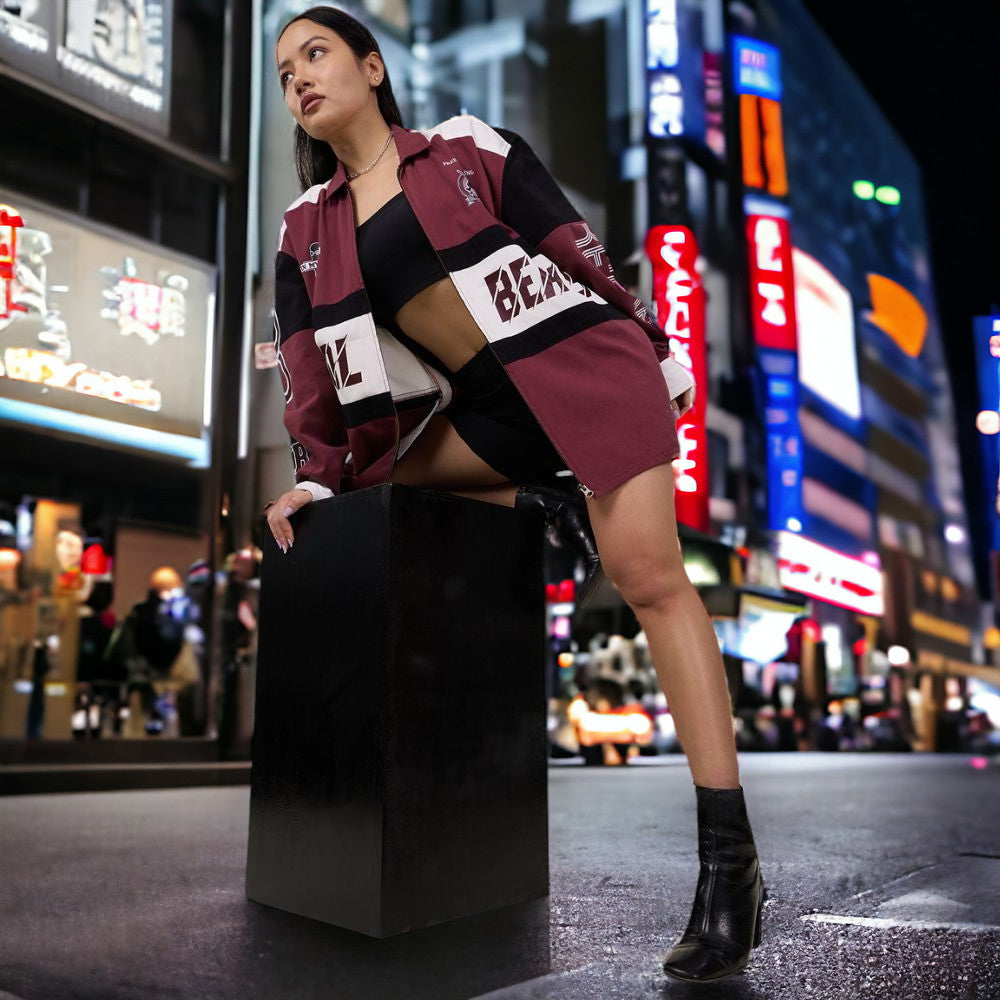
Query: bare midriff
x=436, y=317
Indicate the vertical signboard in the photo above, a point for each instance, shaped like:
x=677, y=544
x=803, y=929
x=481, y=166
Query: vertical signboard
x=756, y=73
x=680, y=307
x=665, y=104
x=784, y=440
x=757, y=80
x=772, y=286
x=684, y=82
x=986, y=330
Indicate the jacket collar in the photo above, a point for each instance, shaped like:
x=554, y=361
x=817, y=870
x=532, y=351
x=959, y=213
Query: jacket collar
x=409, y=143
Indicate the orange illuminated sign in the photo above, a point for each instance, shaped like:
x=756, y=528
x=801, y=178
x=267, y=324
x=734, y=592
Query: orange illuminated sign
x=897, y=312
x=763, y=145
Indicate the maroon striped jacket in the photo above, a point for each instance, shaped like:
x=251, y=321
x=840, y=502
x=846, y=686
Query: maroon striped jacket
x=583, y=352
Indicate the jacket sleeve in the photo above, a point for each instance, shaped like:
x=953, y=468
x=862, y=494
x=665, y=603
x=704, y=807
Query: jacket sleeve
x=534, y=206
x=313, y=415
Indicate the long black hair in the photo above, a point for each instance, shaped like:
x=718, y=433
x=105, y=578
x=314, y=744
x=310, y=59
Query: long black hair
x=314, y=159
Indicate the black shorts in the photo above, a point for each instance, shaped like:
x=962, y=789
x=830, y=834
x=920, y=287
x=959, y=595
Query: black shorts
x=492, y=418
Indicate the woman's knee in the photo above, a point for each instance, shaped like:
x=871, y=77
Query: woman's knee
x=648, y=580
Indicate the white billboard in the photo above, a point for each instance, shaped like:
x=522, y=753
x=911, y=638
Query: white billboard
x=828, y=363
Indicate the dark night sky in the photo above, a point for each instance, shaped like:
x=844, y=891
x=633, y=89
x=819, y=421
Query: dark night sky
x=934, y=68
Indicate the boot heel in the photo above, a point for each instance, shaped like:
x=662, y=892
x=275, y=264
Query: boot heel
x=760, y=914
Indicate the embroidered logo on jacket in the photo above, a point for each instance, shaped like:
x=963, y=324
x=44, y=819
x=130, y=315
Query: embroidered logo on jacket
x=313, y=262
x=465, y=186
x=523, y=284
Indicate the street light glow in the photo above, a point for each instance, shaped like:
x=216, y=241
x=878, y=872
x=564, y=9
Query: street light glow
x=898, y=655
x=988, y=422
x=954, y=533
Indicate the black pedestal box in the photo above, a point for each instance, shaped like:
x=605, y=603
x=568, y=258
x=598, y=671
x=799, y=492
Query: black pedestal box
x=399, y=749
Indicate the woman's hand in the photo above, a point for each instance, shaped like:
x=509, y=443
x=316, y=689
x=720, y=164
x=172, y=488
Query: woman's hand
x=280, y=511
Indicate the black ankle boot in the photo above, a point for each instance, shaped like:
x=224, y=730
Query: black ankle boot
x=725, y=918
x=566, y=515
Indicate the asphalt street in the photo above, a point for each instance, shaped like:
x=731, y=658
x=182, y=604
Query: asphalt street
x=883, y=874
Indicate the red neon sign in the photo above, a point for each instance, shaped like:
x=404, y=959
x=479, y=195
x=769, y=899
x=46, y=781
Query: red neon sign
x=772, y=288
x=680, y=307
x=10, y=222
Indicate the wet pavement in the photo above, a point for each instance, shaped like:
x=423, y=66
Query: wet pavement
x=883, y=874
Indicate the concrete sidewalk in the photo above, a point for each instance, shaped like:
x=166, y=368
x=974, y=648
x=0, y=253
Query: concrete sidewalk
x=139, y=895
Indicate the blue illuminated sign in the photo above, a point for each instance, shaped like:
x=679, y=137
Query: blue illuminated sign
x=756, y=68
x=784, y=439
x=986, y=331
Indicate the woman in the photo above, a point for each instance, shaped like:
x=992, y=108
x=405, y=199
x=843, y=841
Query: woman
x=445, y=319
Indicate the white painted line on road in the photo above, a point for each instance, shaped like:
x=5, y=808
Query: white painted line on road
x=885, y=923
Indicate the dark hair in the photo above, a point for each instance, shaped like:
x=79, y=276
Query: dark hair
x=314, y=159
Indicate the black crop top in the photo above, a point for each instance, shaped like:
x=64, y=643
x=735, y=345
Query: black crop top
x=397, y=260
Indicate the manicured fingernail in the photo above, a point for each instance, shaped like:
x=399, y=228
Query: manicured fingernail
x=291, y=542
x=288, y=511
x=283, y=546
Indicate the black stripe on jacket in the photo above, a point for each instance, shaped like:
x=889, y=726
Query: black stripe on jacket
x=292, y=307
x=481, y=246
x=531, y=202
x=350, y=307
x=369, y=408
x=554, y=330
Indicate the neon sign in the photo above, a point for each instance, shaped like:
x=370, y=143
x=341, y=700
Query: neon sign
x=762, y=145
x=757, y=81
x=680, y=307
x=665, y=93
x=772, y=286
x=756, y=68
x=810, y=568
x=784, y=439
x=10, y=222
x=986, y=331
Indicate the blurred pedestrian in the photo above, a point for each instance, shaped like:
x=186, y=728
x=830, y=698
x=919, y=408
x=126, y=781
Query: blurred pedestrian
x=445, y=270
x=148, y=644
x=238, y=641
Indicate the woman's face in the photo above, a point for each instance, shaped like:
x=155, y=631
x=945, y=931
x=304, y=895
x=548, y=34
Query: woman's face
x=325, y=85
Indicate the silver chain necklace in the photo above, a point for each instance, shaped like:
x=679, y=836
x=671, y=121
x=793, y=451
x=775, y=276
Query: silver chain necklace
x=374, y=163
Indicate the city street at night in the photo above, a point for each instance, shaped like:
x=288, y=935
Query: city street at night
x=478, y=477
x=883, y=876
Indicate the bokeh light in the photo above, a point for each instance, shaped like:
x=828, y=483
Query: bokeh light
x=988, y=422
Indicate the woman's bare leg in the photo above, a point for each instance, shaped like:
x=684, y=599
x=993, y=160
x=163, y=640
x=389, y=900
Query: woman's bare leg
x=636, y=536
